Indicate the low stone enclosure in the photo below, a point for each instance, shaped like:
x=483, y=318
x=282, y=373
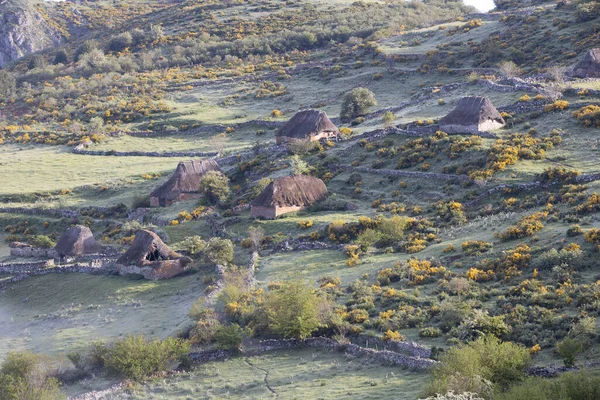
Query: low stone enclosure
x=385, y=356
x=23, y=271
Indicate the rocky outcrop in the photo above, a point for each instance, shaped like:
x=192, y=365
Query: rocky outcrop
x=23, y=31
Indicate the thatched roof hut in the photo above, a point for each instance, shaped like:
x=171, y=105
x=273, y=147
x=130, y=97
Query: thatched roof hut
x=589, y=65
x=288, y=194
x=309, y=125
x=472, y=115
x=150, y=257
x=184, y=183
x=77, y=241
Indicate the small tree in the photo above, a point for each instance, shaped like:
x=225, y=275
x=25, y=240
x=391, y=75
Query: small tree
x=193, y=245
x=480, y=365
x=568, y=350
x=96, y=124
x=120, y=42
x=136, y=357
x=229, y=337
x=86, y=48
x=292, y=310
x=219, y=251
x=8, y=84
x=357, y=102
x=388, y=119
x=215, y=186
x=509, y=69
x=299, y=166
x=61, y=57
x=36, y=61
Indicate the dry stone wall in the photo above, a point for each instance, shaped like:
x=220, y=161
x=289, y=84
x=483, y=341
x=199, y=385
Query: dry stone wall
x=407, y=174
x=383, y=356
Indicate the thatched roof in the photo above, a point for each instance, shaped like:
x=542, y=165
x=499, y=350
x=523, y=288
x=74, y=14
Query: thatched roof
x=589, y=64
x=186, y=179
x=300, y=190
x=307, y=123
x=146, y=249
x=472, y=111
x=77, y=241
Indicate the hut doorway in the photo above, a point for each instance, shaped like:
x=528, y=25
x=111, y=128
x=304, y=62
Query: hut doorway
x=154, y=255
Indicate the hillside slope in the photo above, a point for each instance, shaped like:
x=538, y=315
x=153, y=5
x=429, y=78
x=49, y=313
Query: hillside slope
x=23, y=31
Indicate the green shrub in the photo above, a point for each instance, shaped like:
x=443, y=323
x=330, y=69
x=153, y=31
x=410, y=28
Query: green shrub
x=229, y=337
x=8, y=84
x=574, y=230
x=568, y=350
x=120, y=42
x=27, y=376
x=36, y=61
x=430, y=332
x=356, y=103
x=474, y=366
x=136, y=357
x=292, y=310
x=140, y=201
x=61, y=57
x=583, y=385
x=215, y=186
x=193, y=245
x=219, y=251
x=86, y=48
x=43, y=241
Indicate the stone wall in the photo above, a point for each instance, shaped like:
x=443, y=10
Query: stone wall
x=407, y=174
x=30, y=251
x=383, y=356
x=19, y=268
x=91, y=268
x=81, y=150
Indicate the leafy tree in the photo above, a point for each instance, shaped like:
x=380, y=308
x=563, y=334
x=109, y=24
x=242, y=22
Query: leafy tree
x=215, y=186
x=292, y=310
x=568, y=350
x=61, y=57
x=388, y=119
x=509, y=69
x=480, y=366
x=219, y=251
x=8, y=84
x=87, y=47
x=357, y=102
x=136, y=357
x=581, y=385
x=229, y=337
x=392, y=229
x=26, y=376
x=194, y=245
x=36, y=61
x=120, y=42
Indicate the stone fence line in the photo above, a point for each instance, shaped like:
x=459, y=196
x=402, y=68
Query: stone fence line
x=82, y=151
x=383, y=356
x=92, y=268
x=407, y=174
